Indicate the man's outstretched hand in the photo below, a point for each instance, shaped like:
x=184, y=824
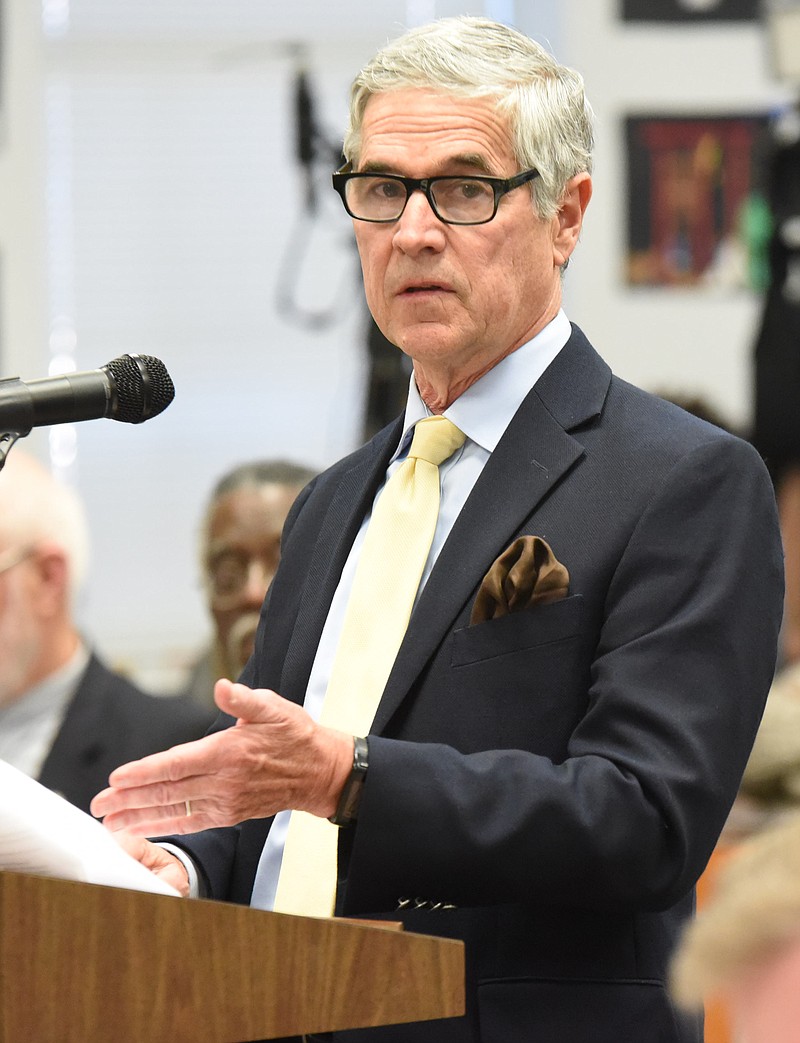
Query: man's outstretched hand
x=275, y=758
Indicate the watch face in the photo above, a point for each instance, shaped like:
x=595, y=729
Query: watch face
x=690, y=10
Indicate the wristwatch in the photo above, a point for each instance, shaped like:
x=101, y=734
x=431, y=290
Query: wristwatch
x=347, y=809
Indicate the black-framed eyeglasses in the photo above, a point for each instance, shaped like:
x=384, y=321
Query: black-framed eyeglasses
x=460, y=200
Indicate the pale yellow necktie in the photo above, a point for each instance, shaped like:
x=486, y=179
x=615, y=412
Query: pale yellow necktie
x=387, y=577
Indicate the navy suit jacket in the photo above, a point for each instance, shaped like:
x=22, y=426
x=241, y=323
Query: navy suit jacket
x=110, y=722
x=549, y=786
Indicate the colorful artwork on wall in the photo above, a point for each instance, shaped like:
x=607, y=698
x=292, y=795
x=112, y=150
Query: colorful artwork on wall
x=693, y=185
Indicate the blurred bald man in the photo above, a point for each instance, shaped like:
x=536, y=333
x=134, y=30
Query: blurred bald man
x=65, y=718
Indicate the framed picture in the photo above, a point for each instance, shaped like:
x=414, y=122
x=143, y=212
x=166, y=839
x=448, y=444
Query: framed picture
x=690, y=181
x=690, y=10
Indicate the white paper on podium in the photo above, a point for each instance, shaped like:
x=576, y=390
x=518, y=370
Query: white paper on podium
x=42, y=833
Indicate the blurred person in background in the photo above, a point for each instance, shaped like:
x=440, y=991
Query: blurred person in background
x=776, y=432
x=65, y=718
x=771, y=784
x=240, y=547
x=744, y=947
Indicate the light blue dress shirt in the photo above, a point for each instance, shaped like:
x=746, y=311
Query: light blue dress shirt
x=482, y=412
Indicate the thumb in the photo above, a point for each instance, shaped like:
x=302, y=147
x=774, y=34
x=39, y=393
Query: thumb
x=242, y=702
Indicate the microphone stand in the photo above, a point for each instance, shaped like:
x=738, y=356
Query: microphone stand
x=16, y=428
x=7, y=440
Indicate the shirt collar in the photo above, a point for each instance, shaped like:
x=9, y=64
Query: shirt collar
x=486, y=408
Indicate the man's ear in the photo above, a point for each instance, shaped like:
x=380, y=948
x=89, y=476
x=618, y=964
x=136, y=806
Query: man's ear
x=569, y=219
x=52, y=574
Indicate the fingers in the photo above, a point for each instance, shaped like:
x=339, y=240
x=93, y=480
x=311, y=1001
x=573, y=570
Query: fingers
x=249, y=771
x=158, y=820
x=155, y=780
x=256, y=706
x=172, y=764
x=203, y=756
x=159, y=861
x=136, y=847
x=155, y=804
x=175, y=874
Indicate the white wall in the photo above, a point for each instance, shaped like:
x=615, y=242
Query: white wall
x=185, y=201
x=150, y=196
x=23, y=300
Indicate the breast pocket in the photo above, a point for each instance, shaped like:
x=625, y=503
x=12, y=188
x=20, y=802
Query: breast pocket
x=526, y=676
x=541, y=625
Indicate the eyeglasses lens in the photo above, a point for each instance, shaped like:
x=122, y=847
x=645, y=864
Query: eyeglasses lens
x=460, y=200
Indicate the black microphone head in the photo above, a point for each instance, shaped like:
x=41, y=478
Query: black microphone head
x=143, y=387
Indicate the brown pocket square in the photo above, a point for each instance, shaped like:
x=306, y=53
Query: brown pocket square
x=527, y=573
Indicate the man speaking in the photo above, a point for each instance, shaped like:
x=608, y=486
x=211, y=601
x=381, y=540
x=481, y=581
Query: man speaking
x=518, y=645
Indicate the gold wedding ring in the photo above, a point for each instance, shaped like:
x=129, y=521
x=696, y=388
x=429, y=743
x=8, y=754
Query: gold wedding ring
x=188, y=804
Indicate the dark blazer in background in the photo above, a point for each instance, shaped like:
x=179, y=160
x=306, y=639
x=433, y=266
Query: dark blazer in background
x=548, y=786
x=109, y=722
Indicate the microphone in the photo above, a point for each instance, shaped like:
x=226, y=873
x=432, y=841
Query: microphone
x=131, y=388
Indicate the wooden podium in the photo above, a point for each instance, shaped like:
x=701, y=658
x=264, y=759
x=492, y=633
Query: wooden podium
x=81, y=963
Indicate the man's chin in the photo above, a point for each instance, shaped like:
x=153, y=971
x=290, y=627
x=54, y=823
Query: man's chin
x=241, y=642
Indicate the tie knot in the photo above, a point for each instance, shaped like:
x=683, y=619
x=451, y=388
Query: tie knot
x=435, y=439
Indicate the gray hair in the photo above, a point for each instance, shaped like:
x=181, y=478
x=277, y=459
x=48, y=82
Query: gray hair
x=254, y=474
x=550, y=119
x=37, y=507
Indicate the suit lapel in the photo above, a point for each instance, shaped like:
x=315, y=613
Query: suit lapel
x=533, y=455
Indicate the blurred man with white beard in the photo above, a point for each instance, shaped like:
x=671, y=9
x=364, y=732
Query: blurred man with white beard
x=240, y=546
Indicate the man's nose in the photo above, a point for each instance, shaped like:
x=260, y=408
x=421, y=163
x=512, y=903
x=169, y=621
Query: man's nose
x=259, y=577
x=418, y=227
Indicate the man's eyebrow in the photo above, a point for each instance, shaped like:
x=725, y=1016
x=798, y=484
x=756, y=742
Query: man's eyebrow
x=471, y=160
